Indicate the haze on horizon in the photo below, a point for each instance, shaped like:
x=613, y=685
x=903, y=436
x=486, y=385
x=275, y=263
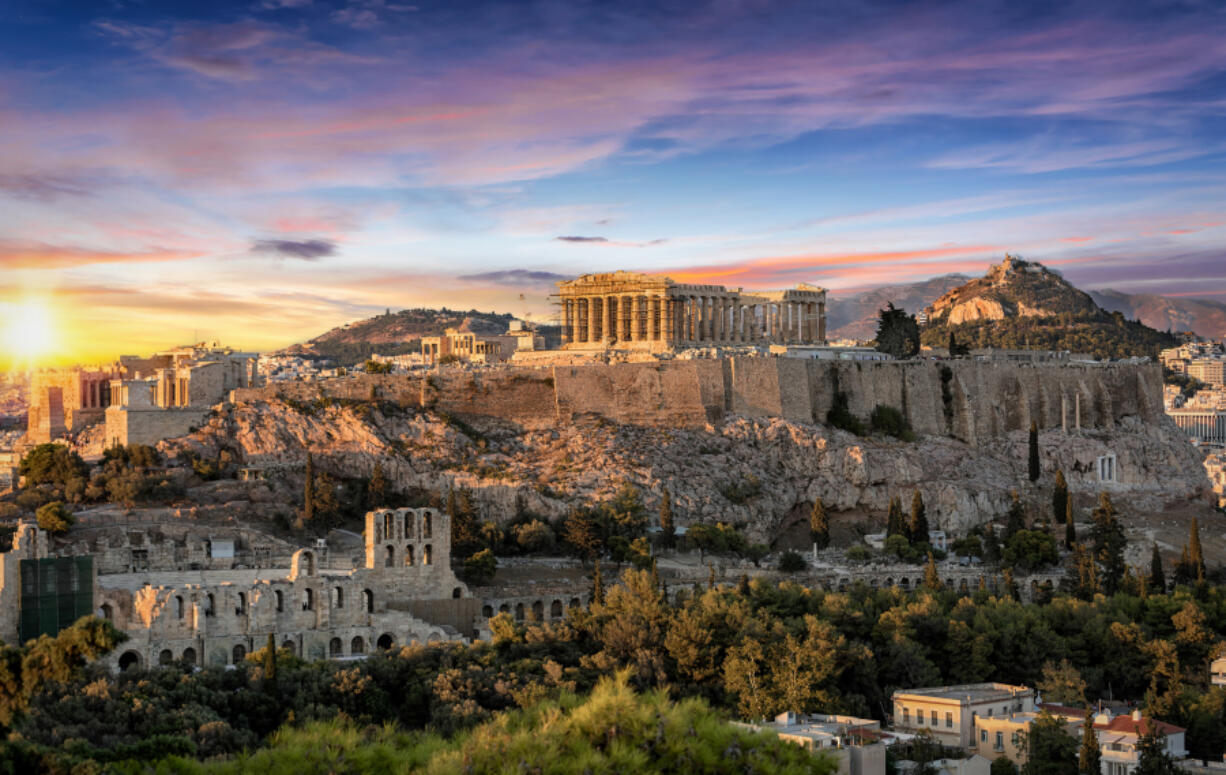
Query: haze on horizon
x=258, y=172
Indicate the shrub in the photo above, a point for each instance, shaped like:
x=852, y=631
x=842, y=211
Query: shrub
x=791, y=562
x=54, y=518
x=859, y=553
x=52, y=464
x=891, y=422
x=840, y=415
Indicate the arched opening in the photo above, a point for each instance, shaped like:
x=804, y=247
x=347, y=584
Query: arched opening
x=166, y=657
x=408, y=555
x=239, y=653
x=242, y=604
x=426, y=528
x=385, y=642
x=309, y=559
x=889, y=582
x=289, y=644
x=108, y=613
x=369, y=598
x=538, y=611
x=427, y=555
x=189, y=655
x=280, y=601
x=504, y=609
x=555, y=610
x=574, y=603
x=340, y=597
x=308, y=599
x=389, y=561
x=209, y=602
x=178, y=607
x=487, y=611
x=519, y=612
x=335, y=647
x=129, y=660
x=387, y=525
x=457, y=593
x=357, y=645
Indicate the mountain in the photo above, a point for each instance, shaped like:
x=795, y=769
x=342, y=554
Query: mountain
x=1024, y=305
x=396, y=332
x=1165, y=313
x=855, y=316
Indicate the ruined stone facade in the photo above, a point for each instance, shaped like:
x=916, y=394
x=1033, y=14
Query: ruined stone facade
x=628, y=310
x=319, y=610
x=64, y=401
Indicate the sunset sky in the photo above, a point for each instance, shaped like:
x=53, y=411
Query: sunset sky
x=259, y=172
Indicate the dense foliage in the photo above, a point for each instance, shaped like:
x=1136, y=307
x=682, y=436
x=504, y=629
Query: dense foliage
x=1101, y=335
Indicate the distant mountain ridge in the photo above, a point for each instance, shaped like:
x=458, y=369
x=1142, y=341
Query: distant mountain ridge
x=397, y=332
x=1204, y=317
x=855, y=316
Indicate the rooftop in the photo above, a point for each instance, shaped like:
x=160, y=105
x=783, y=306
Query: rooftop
x=972, y=692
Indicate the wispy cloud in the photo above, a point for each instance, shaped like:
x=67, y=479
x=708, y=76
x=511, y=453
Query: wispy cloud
x=606, y=242
x=307, y=250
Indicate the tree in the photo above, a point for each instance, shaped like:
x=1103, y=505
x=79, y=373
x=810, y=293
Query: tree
x=918, y=528
x=1195, y=556
x=791, y=562
x=479, y=568
x=1109, y=544
x=897, y=332
x=1153, y=757
x=1030, y=550
x=1015, y=520
x=308, y=493
x=54, y=518
x=1034, y=468
x=270, y=662
x=1157, y=579
x=1062, y=684
x=1059, y=499
x=377, y=488
x=1089, y=756
x=52, y=464
x=1049, y=749
x=956, y=350
x=819, y=525
x=1002, y=766
x=894, y=524
x=991, y=544
x=668, y=531
x=1070, y=528
x=597, y=585
x=932, y=579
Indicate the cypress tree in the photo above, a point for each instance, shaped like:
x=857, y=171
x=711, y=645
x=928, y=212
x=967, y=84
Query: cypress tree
x=711, y=577
x=894, y=520
x=1089, y=758
x=919, y=520
x=931, y=579
x=819, y=525
x=1034, y=452
x=1157, y=579
x=1059, y=498
x=1070, y=529
x=270, y=660
x=1194, y=552
x=597, y=585
x=376, y=490
x=1015, y=521
x=308, y=494
x=655, y=574
x=668, y=531
x=1109, y=544
x=742, y=585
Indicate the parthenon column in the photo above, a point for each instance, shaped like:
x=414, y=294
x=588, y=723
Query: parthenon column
x=636, y=317
x=610, y=319
x=657, y=318
x=581, y=320
x=623, y=314
x=721, y=318
x=567, y=326
x=798, y=321
x=668, y=317
x=593, y=320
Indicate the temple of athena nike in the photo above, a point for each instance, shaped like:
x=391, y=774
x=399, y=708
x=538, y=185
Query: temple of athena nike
x=632, y=311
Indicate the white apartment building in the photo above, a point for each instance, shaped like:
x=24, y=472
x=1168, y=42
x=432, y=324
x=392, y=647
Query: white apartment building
x=949, y=712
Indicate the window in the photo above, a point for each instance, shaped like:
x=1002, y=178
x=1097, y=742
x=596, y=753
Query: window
x=340, y=597
x=983, y=735
x=280, y=601
x=408, y=555
x=242, y=604
x=308, y=600
x=1014, y=740
x=1000, y=741
x=949, y=720
x=425, y=526
x=932, y=715
x=427, y=555
x=179, y=607
x=906, y=716
x=209, y=610
x=390, y=562
x=370, y=600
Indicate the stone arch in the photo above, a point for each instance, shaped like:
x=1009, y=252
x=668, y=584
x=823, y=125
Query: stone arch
x=107, y=611
x=504, y=609
x=302, y=564
x=538, y=611
x=238, y=653
x=308, y=599
x=434, y=637
x=280, y=601
x=487, y=611
x=368, y=598
x=357, y=645
x=390, y=560
x=189, y=655
x=242, y=604
x=408, y=555
x=519, y=612
x=457, y=593
x=427, y=555
x=129, y=660
x=211, y=602
x=389, y=522
x=335, y=647
x=386, y=641
x=889, y=581
x=555, y=609
x=574, y=603
x=288, y=643
x=427, y=530
x=165, y=657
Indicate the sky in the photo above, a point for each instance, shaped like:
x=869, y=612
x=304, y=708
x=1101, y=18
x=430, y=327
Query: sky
x=258, y=172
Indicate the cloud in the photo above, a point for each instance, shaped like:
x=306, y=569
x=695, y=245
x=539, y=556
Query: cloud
x=516, y=277
x=43, y=187
x=605, y=241
x=581, y=239
x=27, y=254
x=307, y=250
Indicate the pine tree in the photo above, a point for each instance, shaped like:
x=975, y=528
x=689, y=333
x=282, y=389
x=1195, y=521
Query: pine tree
x=931, y=579
x=308, y=494
x=991, y=544
x=1015, y=521
x=1034, y=468
x=597, y=585
x=1109, y=544
x=668, y=531
x=1070, y=529
x=1157, y=579
x=919, y=520
x=1089, y=758
x=1195, y=556
x=819, y=525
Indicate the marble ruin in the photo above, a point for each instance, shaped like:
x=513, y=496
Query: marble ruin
x=319, y=607
x=628, y=310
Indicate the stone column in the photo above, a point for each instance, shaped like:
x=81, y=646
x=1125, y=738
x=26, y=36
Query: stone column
x=821, y=322
x=668, y=316
x=623, y=314
x=610, y=320
x=593, y=320
x=798, y=322
x=636, y=318
x=581, y=334
x=721, y=318
x=567, y=326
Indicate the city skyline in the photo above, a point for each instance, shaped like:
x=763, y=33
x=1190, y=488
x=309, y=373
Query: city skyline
x=260, y=172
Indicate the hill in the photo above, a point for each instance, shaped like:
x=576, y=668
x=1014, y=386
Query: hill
x=855, y=316
x=396, y=332
x=1024, y=305
x=1167, y=313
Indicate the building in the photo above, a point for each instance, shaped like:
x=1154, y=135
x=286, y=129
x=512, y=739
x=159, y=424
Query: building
x=65, y=401
x=854, y=743
x=467, y=346
x=221, y=609
x=628, y=310
x=971, y=765
x=997, y=736
x=949, y=712
x=1217, y=672
x=1204, y=426
x=1207, y=370
x=1118, y=737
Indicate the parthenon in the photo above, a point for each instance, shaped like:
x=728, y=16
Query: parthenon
x=629, y=310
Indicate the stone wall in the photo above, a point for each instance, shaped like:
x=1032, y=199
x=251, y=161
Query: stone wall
x=125, y=425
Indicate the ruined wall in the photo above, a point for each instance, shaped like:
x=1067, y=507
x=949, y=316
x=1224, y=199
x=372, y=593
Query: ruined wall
x=970, y=400
x=134, y=426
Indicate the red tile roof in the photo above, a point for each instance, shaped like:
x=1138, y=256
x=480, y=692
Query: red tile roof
x=1143, y=727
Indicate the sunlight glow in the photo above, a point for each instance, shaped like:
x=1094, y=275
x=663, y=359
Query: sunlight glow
x=29, y=331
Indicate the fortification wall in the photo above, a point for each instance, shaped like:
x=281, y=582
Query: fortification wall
x=970, y=400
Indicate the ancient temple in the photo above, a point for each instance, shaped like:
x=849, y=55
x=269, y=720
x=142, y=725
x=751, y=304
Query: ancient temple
x=629, y=310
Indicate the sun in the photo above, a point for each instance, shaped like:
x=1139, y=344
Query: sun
x=29, y=331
